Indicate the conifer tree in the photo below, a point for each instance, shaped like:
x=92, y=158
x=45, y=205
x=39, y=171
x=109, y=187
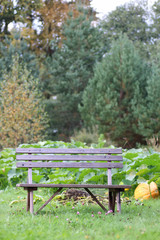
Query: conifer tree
x=69, y=70
x=148, y=113
x=109, y=99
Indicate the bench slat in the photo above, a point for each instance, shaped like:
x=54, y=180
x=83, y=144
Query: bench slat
x=68, y=158
x=67, y=165
x=74, y=186
x=69, y=150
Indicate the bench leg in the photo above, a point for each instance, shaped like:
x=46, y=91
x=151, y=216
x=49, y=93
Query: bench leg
x=118, y=202
x=112, y=200
x=31, y=201
x=59, y=189
x=28, y=200
x=95, y=199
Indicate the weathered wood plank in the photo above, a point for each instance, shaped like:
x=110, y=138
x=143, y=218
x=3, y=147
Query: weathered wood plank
x=68, y=158
x=119, y=187
x=67, y=165
x=69, y=150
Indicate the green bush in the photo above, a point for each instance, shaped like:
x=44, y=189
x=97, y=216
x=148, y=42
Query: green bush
x=86, y=136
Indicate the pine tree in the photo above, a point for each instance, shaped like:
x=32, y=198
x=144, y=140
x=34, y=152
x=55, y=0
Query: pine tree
x=149, y=119
x=70, y=69
x=110, y=97
x=23, y=119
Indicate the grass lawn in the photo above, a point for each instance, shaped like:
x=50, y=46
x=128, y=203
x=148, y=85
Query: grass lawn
x=62, y=222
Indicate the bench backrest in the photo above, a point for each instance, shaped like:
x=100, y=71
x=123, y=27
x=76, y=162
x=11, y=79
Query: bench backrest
x=68, y=158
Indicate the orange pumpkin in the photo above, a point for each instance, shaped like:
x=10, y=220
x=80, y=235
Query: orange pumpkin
x=146, y=191
x=154, y=190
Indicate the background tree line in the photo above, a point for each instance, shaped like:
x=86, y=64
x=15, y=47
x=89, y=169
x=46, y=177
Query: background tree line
x=91, y=72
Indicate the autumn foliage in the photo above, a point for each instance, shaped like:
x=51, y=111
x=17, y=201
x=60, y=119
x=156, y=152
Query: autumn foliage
x=23, y=119
x=50, y=16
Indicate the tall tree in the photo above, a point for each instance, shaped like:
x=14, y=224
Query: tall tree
x=52, y=15
x=149, y=119
x=131, y=19
x=23, y=118
x=109, y=99
x=39, y=20
x=70, y=69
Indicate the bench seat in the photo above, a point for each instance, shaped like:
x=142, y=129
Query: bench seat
x=114, y=187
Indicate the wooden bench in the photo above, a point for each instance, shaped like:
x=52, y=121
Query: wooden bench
x=71, y=158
